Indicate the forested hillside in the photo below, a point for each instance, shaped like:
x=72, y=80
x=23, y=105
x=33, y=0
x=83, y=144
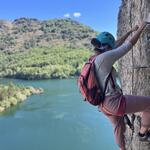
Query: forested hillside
x=33, y=49
x=43, y=63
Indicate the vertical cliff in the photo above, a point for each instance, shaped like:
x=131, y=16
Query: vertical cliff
x=135, y=66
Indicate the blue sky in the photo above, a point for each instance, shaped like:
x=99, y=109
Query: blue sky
x=101, y=15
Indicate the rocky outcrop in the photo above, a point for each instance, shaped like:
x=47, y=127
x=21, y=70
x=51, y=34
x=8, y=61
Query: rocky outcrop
x=135, y=66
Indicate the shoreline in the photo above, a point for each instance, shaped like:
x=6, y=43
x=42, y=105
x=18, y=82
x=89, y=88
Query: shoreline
x=11, y=95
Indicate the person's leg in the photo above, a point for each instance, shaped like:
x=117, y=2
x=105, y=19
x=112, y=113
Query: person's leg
x=119, y=129
x=139, y=104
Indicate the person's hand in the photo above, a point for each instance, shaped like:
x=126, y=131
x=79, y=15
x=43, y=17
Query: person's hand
x=135, y=28
x=147, y=20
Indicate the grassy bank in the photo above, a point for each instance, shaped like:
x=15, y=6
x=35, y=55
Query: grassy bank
x=12, y=94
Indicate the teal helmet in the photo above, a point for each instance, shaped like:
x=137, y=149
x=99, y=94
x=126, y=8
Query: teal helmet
x=106, y=38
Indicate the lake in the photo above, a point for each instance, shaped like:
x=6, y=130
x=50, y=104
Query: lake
x=58, y=119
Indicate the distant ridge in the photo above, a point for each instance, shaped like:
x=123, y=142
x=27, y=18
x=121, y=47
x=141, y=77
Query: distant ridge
x=26, y=33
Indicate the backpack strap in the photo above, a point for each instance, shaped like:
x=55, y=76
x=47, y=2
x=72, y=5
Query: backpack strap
x=106, y=82
x=113, y=83
x=92, y=58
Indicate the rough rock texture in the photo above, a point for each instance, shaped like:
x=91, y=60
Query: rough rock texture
x=135, y=66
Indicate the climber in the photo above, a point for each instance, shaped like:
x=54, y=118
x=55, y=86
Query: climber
x=116, y=104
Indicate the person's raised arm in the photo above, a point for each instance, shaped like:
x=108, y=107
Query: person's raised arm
x=136, y=36
x=121, y=40
x=111, y=56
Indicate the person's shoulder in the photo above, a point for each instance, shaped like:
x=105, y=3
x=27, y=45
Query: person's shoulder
x=99, y=58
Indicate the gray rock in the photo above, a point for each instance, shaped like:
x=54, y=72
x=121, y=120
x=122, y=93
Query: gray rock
x=134, y=68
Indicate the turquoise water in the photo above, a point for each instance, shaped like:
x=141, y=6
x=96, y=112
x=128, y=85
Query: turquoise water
x=57, y=120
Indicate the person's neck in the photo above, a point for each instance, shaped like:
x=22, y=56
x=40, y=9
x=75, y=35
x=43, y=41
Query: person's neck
x=97, y=53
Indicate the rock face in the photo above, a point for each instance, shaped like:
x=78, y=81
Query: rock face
x=135, y=66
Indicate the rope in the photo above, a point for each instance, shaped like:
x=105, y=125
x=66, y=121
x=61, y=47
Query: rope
x=132, y=128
